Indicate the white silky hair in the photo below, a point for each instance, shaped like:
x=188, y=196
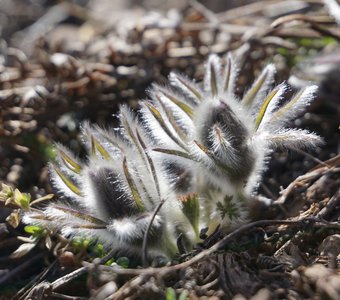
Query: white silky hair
x=260, y=89
x=293, y=109
x=272, y=106
x=61, y=187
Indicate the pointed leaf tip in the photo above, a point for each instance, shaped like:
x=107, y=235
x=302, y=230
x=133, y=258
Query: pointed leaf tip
x=69, y=162
x=66, y=181
x=158, y=116
x=212, y=76
x=273, y=96
x=96, y=146
x=186, y=86
x=134, y=191
x=263, y=80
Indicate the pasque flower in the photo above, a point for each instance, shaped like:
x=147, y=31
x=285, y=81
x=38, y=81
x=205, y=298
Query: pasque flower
x=197, y=147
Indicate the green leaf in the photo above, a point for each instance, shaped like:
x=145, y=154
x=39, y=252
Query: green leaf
x=43, y=198
x=98, y=250
x=227, y=75
x=109, y=262
x=284, y=109
x=141, y=147
x=81, y=215
x=172, y=120
x=96, y=146
x=133, y=187
x=34, y=230
x=189, y=86
x=136, y=139
x=183, y=295
x=184, y=107
x=191, y=209
x=158, y=116
x=22, y=199
x=175, y=153
x=123, y=262
x=265, y=105
x=228, y=208
x=150, y=162
x=254, y=90
x=170, y=294
x=67, y=182
x=128, y=129
x=69, y=162
x=213, y=80
x=80, y=242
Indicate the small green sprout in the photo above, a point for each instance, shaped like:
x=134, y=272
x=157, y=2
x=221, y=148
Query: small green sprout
x=22, y=199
